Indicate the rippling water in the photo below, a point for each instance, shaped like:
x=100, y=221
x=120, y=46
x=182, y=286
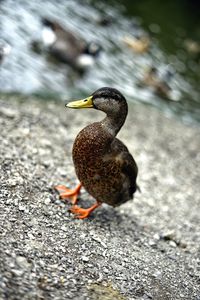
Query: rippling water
x=27, y=72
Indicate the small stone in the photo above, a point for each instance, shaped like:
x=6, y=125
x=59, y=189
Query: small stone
x=31, y=236
x=16, y=202
x=156, y=237
x=62, y=279
x=182, y=296
x=172, y=244
x=97, y=239
x=22, y=207
x=32, y=222
x=8, y=112
x=168, y=235
x=47, y=163
x=152, y=242
x=157, y=274
x=47, y=201
x=18, y=272
x=22, y=262
x=54, y=266
x=64, y=228
x=85, y=258
x=100, y=279
x=8, y=201
x=41, y=263
x=24, y=131
x=106, y=270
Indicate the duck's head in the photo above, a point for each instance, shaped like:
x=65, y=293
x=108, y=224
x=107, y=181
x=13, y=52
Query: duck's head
x=48, y=23
x=106, y=99
x=111, y=102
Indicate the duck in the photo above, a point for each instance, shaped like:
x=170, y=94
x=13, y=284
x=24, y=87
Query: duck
x=103, y=164
x=160, y=86
x=139, y=44
x=68, y=47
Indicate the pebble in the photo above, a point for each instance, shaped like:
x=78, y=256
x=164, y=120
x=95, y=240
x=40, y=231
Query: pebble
x=64, y=228
x=157, y=274
x=22, y=207
x=168, y=235
x=18, y=272
x=32, y=222
x=85, y=258
x=8, y=112
x=99, y=241
x=47, y=201
x=172, y=244
x=9, y=201
x=22, y=262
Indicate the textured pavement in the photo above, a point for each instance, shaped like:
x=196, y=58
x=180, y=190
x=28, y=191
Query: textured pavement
x=148, y=248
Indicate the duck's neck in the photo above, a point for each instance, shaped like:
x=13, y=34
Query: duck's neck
x=113, y=122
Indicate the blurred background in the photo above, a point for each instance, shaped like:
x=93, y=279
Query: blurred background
x=149, y=50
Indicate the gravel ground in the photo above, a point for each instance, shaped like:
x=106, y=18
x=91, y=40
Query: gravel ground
x=148, y=248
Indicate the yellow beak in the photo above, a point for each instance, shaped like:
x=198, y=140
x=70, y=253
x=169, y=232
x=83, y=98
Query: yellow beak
x=85, y=103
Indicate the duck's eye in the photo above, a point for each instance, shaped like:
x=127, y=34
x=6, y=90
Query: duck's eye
x=85, y=100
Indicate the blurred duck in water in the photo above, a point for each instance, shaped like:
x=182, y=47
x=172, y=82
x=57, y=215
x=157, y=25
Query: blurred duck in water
x=159, y=85
x=139, y=44
x=66, y=46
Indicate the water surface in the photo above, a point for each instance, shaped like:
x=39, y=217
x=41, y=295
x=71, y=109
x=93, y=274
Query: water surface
x=168, y=26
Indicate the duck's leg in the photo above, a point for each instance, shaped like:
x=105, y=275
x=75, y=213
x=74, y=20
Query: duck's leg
x=66, y=193
x=82, y=213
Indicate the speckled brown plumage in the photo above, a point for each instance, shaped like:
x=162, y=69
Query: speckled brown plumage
x=108, y=171
x=103, y=164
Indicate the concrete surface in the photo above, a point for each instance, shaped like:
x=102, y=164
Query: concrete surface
x=149, y=248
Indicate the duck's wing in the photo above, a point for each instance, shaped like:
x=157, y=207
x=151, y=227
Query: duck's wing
x=72, y=40
x=126, y=163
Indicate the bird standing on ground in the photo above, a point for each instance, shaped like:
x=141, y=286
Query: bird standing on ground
x=102, y=162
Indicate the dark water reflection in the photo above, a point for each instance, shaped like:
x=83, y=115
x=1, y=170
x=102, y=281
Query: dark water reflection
x=25, y=71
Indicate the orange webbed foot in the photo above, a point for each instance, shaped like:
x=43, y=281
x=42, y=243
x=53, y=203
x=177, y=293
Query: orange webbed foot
x=82, y=213
x=66, y=193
